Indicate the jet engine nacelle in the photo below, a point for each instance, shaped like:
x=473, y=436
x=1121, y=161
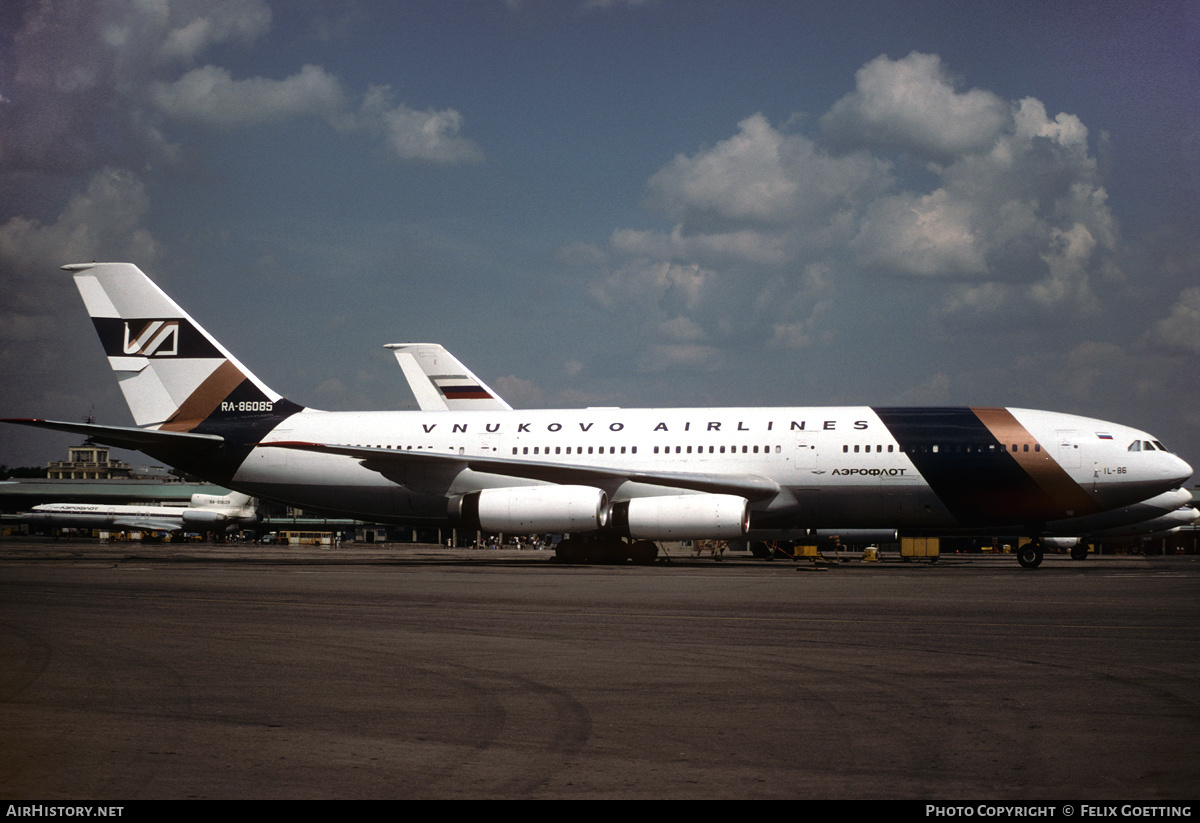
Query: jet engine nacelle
x=202, y=516
x=682, y=517
x=532, y=509
x=1060, y=542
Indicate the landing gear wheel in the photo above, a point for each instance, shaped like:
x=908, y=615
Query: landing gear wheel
x=643, y=552
x=1079, y=551
x=570, y=551
x=1030, y=555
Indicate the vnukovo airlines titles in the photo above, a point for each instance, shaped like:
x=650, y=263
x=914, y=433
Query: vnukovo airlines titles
x=661, y=426
x=615, y=479
x=1065, y=811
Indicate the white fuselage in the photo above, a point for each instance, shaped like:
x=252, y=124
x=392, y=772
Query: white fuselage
x=834, y=466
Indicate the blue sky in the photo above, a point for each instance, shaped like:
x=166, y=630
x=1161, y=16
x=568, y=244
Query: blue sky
x=659, y=203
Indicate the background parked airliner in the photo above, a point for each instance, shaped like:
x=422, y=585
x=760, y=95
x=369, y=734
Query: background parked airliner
x=637, y=474
x=206, y=512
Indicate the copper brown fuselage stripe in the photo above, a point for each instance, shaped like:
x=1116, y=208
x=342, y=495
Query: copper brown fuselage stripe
x=206, y=398
x=1038, y=464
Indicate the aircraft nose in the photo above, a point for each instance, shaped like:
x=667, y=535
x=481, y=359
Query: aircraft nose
x=1182, y=471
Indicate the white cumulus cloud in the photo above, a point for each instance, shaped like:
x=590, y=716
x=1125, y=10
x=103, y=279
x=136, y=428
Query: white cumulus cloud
x=912, y=104
x=102, y=222
x=414, y=135
x=1008, y=211
x=1180, y=331
x=927, y=235
x=762, y=176
x=211, y=96
x=100, y=84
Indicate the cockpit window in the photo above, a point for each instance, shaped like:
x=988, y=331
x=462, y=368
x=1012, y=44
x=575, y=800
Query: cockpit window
x=1147, y=446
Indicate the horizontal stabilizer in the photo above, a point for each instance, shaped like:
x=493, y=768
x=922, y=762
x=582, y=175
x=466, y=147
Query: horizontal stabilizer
x=125, y=437
x=750, y=486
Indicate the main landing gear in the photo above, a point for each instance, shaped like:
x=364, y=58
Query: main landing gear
x=606, y=550
x=1030, y=555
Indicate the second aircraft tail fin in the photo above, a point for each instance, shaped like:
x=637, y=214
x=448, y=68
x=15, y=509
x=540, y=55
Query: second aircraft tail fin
x=440, y=382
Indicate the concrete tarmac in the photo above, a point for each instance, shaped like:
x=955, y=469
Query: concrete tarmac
x=132, y=672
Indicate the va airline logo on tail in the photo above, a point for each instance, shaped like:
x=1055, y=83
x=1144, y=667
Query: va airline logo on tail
x=157, y=338
x=154, y=337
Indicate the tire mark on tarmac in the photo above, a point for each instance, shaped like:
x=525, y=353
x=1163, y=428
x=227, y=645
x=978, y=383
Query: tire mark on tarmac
x=523, y=731
x=69, y=715
x=25, y=657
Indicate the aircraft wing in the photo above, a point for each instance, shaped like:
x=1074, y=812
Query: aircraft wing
x=750, y=486
x=124, y=437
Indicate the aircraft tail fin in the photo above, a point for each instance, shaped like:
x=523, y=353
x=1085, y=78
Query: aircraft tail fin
x=441, y=382
x=238, y=507
x=233, y=500
x=175, y=376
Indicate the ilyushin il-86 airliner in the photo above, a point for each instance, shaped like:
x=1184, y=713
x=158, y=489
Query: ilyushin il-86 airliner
x=616, y=480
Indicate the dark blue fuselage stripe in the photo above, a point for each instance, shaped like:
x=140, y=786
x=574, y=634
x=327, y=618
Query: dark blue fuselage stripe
x=969, y=470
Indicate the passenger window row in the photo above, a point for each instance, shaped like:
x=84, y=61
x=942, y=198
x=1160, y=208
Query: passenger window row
x=959, y=448
x=567, y=450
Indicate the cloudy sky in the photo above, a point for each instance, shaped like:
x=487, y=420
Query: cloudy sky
x=614, y=202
